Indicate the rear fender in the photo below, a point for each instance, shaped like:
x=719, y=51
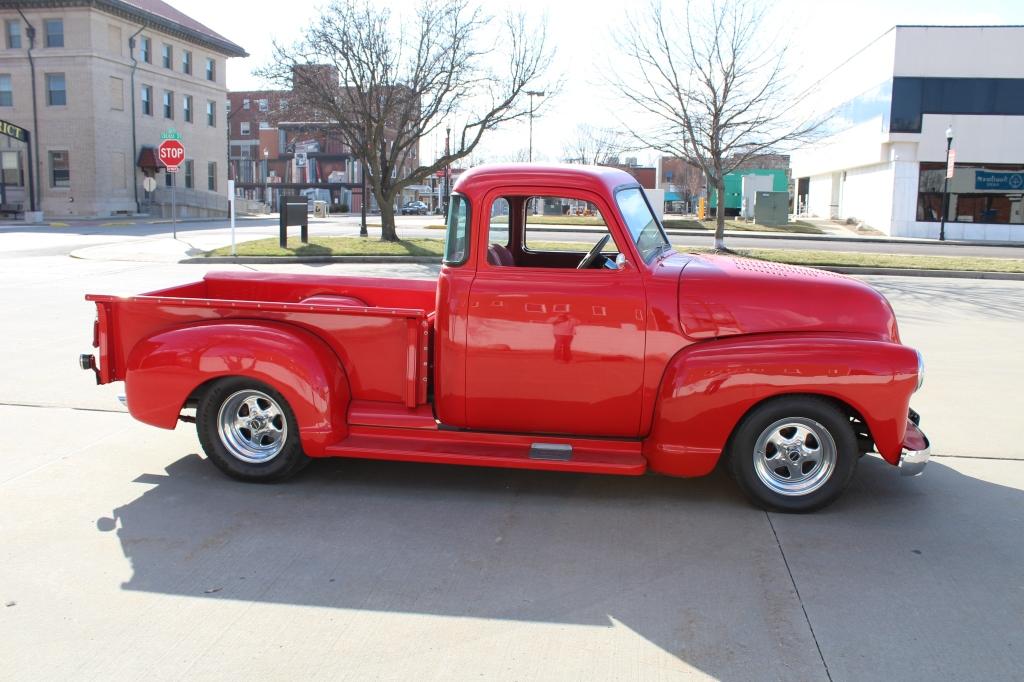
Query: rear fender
x=164, y=369
x=708, y=387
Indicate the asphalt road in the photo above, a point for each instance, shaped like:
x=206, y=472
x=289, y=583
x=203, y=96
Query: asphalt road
x=124, y=554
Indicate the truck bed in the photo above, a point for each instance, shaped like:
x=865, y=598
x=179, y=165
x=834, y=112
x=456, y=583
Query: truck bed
x=379, y=328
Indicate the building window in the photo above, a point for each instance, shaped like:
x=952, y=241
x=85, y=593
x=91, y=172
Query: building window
x=211, y=176
x=186, y=108
x=264, y=125
x=146, y=50
x=283, y=105
x=116, y=93
x=264, y=105
x=56, y=90
x=189, y=173
x=6, y=93
x=11, y=164
x=168, y=56
x=211, y=113
x=147, y=100
x=168, y=104
x=978, y=193
x=243, y=128
x=211, y=69
x=186, y=62
x=60, y=171
x=54, y=32
x=912, y=97
x=245, y=104
x=13, y=33
x=168, y=179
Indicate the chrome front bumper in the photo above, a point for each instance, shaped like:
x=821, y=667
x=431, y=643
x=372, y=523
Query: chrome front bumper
x=916, y=451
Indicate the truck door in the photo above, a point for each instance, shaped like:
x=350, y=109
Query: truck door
x=552, y=348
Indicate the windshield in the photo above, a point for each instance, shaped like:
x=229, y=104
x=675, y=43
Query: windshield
x=642, y=225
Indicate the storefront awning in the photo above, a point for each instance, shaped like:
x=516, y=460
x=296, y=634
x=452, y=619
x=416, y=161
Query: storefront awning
x=147, y=160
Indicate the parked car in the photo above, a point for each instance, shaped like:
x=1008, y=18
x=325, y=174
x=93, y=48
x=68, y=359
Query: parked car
x=625, y=359
x=415, y=208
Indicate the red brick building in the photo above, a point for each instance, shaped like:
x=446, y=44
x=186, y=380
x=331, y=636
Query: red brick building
x=275, y=146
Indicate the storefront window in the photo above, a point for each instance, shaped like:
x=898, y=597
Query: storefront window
x=978, y=193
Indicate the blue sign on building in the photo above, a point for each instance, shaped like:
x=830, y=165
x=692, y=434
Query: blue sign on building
x=1007, y=182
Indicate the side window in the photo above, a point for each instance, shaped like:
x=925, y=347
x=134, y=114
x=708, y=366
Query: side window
x=456, y=245
x=556, y=224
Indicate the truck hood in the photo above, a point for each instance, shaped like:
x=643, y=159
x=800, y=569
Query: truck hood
x=723, y=296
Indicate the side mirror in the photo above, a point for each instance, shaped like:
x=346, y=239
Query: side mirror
x=620, y=262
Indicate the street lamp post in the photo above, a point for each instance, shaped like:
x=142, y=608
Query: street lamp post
x=447, y=169
x=532, y=94
x=945, y=186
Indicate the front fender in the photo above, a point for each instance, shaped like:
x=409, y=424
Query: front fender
x=708, y=387
x=164, y=369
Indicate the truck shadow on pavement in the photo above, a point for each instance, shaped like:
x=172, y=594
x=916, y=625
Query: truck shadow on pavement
x=688, y=565
x=994, y=299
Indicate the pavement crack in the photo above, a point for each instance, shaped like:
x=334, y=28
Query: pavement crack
x=798, y=597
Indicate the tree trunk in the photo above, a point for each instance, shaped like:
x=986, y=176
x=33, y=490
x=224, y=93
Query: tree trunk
x=387, y=220
x=720, y=215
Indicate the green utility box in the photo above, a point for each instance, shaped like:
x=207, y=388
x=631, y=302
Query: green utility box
x=771, y=208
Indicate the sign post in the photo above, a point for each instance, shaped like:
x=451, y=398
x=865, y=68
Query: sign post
x=171, y=153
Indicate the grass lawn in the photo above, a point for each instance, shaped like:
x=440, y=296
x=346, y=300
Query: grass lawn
x=885, y=260
x=357, y=246
x=336, y=246
x=797, y=226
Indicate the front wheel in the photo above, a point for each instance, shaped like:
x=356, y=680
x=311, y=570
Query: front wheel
x=249, y=432
x=793, y=454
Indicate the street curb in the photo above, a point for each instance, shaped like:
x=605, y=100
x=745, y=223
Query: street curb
x=892, y=272
x=257, y=260
x=911, y=272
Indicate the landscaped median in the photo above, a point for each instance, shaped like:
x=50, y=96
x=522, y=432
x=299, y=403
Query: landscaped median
x=540, y=221
x=357, y=248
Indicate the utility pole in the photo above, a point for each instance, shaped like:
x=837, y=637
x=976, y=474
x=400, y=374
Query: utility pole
x=532, y=94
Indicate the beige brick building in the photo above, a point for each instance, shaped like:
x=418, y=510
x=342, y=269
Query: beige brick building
x=110, y=77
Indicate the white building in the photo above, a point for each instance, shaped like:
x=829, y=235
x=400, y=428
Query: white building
x=884, y=160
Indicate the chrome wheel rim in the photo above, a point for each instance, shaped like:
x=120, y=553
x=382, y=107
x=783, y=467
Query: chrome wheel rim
x=794, y=456
x=252, y=426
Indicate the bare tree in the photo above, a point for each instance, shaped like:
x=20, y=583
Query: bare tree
x=591, y=145
x=382, y=82
x=717, y=94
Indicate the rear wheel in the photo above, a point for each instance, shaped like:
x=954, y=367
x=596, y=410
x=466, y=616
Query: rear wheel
x=249, y=432
x=794, y=454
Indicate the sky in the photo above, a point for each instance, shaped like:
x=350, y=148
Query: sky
x=820, y=33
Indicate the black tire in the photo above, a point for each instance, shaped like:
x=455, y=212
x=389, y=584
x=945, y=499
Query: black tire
x=793, y=454
x=269, y=452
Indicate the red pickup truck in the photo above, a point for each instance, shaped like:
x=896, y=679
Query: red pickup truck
x=628, y=358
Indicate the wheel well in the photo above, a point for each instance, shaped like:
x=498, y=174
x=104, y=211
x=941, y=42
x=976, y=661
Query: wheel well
x=192, y=401
x=865, y=441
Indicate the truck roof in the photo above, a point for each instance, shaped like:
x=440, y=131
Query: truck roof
x=571, y=176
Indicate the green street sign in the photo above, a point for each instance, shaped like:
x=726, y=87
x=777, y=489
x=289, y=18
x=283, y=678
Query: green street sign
x=170, y=134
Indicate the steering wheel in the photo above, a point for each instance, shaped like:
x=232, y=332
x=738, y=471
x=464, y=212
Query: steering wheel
x=594, y=252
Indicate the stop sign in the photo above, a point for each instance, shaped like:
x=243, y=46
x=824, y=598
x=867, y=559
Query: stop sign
x=171, y=153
